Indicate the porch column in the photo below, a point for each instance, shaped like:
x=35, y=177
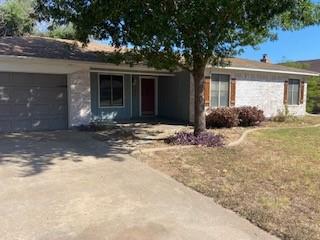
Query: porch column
x=79, y=98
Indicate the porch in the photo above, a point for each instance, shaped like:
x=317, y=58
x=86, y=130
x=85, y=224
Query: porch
x=123, y=97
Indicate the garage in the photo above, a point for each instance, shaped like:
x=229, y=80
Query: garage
x=33, y=102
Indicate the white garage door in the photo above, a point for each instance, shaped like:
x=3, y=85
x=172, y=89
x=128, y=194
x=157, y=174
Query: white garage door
x=30, y=102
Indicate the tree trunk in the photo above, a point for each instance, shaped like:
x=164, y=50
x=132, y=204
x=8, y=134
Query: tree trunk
x=199, y=106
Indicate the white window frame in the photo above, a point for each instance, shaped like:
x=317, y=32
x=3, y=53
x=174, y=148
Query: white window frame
x=123, y=84
x=219, y=92
x=299, y=85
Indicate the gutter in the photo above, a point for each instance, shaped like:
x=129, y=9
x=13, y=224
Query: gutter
x=137, y=69
x=270, y=71
x=95, y=66
x=131, y=72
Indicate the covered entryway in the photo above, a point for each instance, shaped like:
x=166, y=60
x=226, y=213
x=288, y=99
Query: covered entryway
x=30, y=102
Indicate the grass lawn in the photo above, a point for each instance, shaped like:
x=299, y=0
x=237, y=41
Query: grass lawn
x=296, y=122
x=272, y=179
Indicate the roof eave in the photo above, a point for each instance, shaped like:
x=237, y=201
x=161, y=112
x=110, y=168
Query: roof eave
x=270, y=71
x=88, y=64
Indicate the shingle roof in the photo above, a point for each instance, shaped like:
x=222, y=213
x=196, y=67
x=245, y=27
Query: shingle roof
x=312, y=65
x=249, y=64
x=43, y=47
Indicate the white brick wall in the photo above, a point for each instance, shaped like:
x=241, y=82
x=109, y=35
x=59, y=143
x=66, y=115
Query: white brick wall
x=263, y=90
x=79, y=95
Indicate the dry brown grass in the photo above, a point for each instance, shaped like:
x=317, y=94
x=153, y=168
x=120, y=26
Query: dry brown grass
x=272, y=179
x=295, y=122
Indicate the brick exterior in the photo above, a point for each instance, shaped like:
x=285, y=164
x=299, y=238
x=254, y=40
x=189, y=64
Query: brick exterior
x=263, y=90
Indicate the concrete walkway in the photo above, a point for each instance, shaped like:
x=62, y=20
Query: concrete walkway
x=68, y=186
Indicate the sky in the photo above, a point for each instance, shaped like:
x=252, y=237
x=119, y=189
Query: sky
x=290, y=46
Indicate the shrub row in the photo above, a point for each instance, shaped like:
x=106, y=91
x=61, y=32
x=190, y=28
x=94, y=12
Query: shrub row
x=229, y=117
x=203, y=139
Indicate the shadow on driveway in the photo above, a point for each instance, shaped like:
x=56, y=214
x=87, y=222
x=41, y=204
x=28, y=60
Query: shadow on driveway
x=36, y=152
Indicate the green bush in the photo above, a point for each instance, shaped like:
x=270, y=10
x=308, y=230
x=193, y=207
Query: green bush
x=313, y=98
x=16, y=18
x=63, y=32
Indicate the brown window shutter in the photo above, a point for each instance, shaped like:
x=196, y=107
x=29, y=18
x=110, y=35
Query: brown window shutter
x=286, y=92
x=233, y=88
x=301, y=92
x=207, y=91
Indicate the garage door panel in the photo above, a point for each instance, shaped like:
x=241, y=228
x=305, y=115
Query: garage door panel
x=21, y=96
x=59, y=109
x=57, y=95
x=21, y=111
x=38, y=80
x=33, y=102
x=5, y=79
x=5, y=125
x=21, y=125
x=41, y=110
x=54, y=122
x=5, y=110
x=5, y=95
x=41, y=124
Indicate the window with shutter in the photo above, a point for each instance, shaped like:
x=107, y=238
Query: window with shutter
x=293, y=92
x=301, y=92
x=220, y=89
x=207, y=91
x=285, y=95
x=233, y=92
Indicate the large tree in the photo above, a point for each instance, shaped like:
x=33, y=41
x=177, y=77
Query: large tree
x=16, y=18
x=185, y=34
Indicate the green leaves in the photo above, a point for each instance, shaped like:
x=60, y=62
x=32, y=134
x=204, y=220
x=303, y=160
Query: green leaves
x=62, y=31
x=181, y=33
x=305, y=15
x=16, y=18
x=313, y=99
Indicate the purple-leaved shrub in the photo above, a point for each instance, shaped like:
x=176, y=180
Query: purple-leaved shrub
x=203, y=139
x=228, y=117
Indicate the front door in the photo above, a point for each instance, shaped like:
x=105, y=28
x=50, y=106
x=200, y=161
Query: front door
x=147, y=96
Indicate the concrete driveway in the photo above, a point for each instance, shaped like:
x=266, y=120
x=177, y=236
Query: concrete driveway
x=67, y=185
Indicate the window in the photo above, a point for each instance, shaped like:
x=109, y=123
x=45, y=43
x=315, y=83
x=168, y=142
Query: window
x=220, y=90
x=111, y=91
x=293, y=92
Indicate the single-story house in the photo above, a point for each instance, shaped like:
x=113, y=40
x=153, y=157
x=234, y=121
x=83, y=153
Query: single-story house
x=49, y=84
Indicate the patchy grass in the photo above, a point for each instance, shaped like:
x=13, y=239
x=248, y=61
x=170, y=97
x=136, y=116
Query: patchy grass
x=272, y=179
x=230, y=134
x=295, y=122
